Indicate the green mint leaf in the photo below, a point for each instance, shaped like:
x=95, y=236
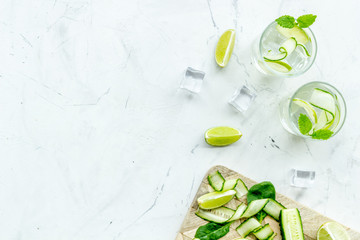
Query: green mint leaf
x=286, y=21
x=322, y=134
x=305, y=124
x=305, y=21
x=260, y=191
x=212, y=231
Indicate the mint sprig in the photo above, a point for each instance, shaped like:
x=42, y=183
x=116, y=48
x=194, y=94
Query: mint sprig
x=286, y=21
x=303, y=21
x=322, y=134
x=305, y=126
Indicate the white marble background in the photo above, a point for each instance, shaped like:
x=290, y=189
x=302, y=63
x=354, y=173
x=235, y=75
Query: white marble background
x=97, y=142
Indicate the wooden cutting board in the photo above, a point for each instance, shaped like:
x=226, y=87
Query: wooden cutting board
x=310, y=218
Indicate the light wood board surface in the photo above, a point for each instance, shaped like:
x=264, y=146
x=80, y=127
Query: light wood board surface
x=311, y=219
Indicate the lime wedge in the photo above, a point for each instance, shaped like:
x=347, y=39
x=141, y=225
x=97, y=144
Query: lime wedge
x=332, y=231
x=225, y=47
x=296, y=32
x=222, y=136
x=308, y=108
x=215, y=199
x=279, y=66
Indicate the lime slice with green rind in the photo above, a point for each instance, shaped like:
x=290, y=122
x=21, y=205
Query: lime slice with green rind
x=295, y=32
x=215, y=199
x=332, y=231
x=222, y=136
x=307, y=107
x=225, y=47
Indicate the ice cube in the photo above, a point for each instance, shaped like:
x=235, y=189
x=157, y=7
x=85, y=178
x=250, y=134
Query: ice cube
x=242, y=99
x=301, y=178
x=193, y=80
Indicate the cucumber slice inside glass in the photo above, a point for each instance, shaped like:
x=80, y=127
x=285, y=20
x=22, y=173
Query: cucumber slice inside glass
x=289, y=45
x=295, y=32
x=305, y=50
x=276, y=57
x=308, y=108
x=279, y=66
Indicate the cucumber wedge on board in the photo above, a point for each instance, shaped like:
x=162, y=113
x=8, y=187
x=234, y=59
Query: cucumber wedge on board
x=236, y=184
x=217, y=215
x=230, y=184
x=216, y=181
x=240, y=188
x=248, y=226
x=264, y=232
x=239, y=211
x=273, y=209
x=291, y=225
x=254, y=207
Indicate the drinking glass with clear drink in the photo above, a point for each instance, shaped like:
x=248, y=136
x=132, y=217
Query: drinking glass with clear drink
x=316, y=110
x=284, y=52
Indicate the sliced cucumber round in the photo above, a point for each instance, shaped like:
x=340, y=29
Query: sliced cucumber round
x=279, y=66
x=296, y=32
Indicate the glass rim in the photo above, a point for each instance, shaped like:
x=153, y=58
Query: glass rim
x=338, y=93
x=312, y=39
